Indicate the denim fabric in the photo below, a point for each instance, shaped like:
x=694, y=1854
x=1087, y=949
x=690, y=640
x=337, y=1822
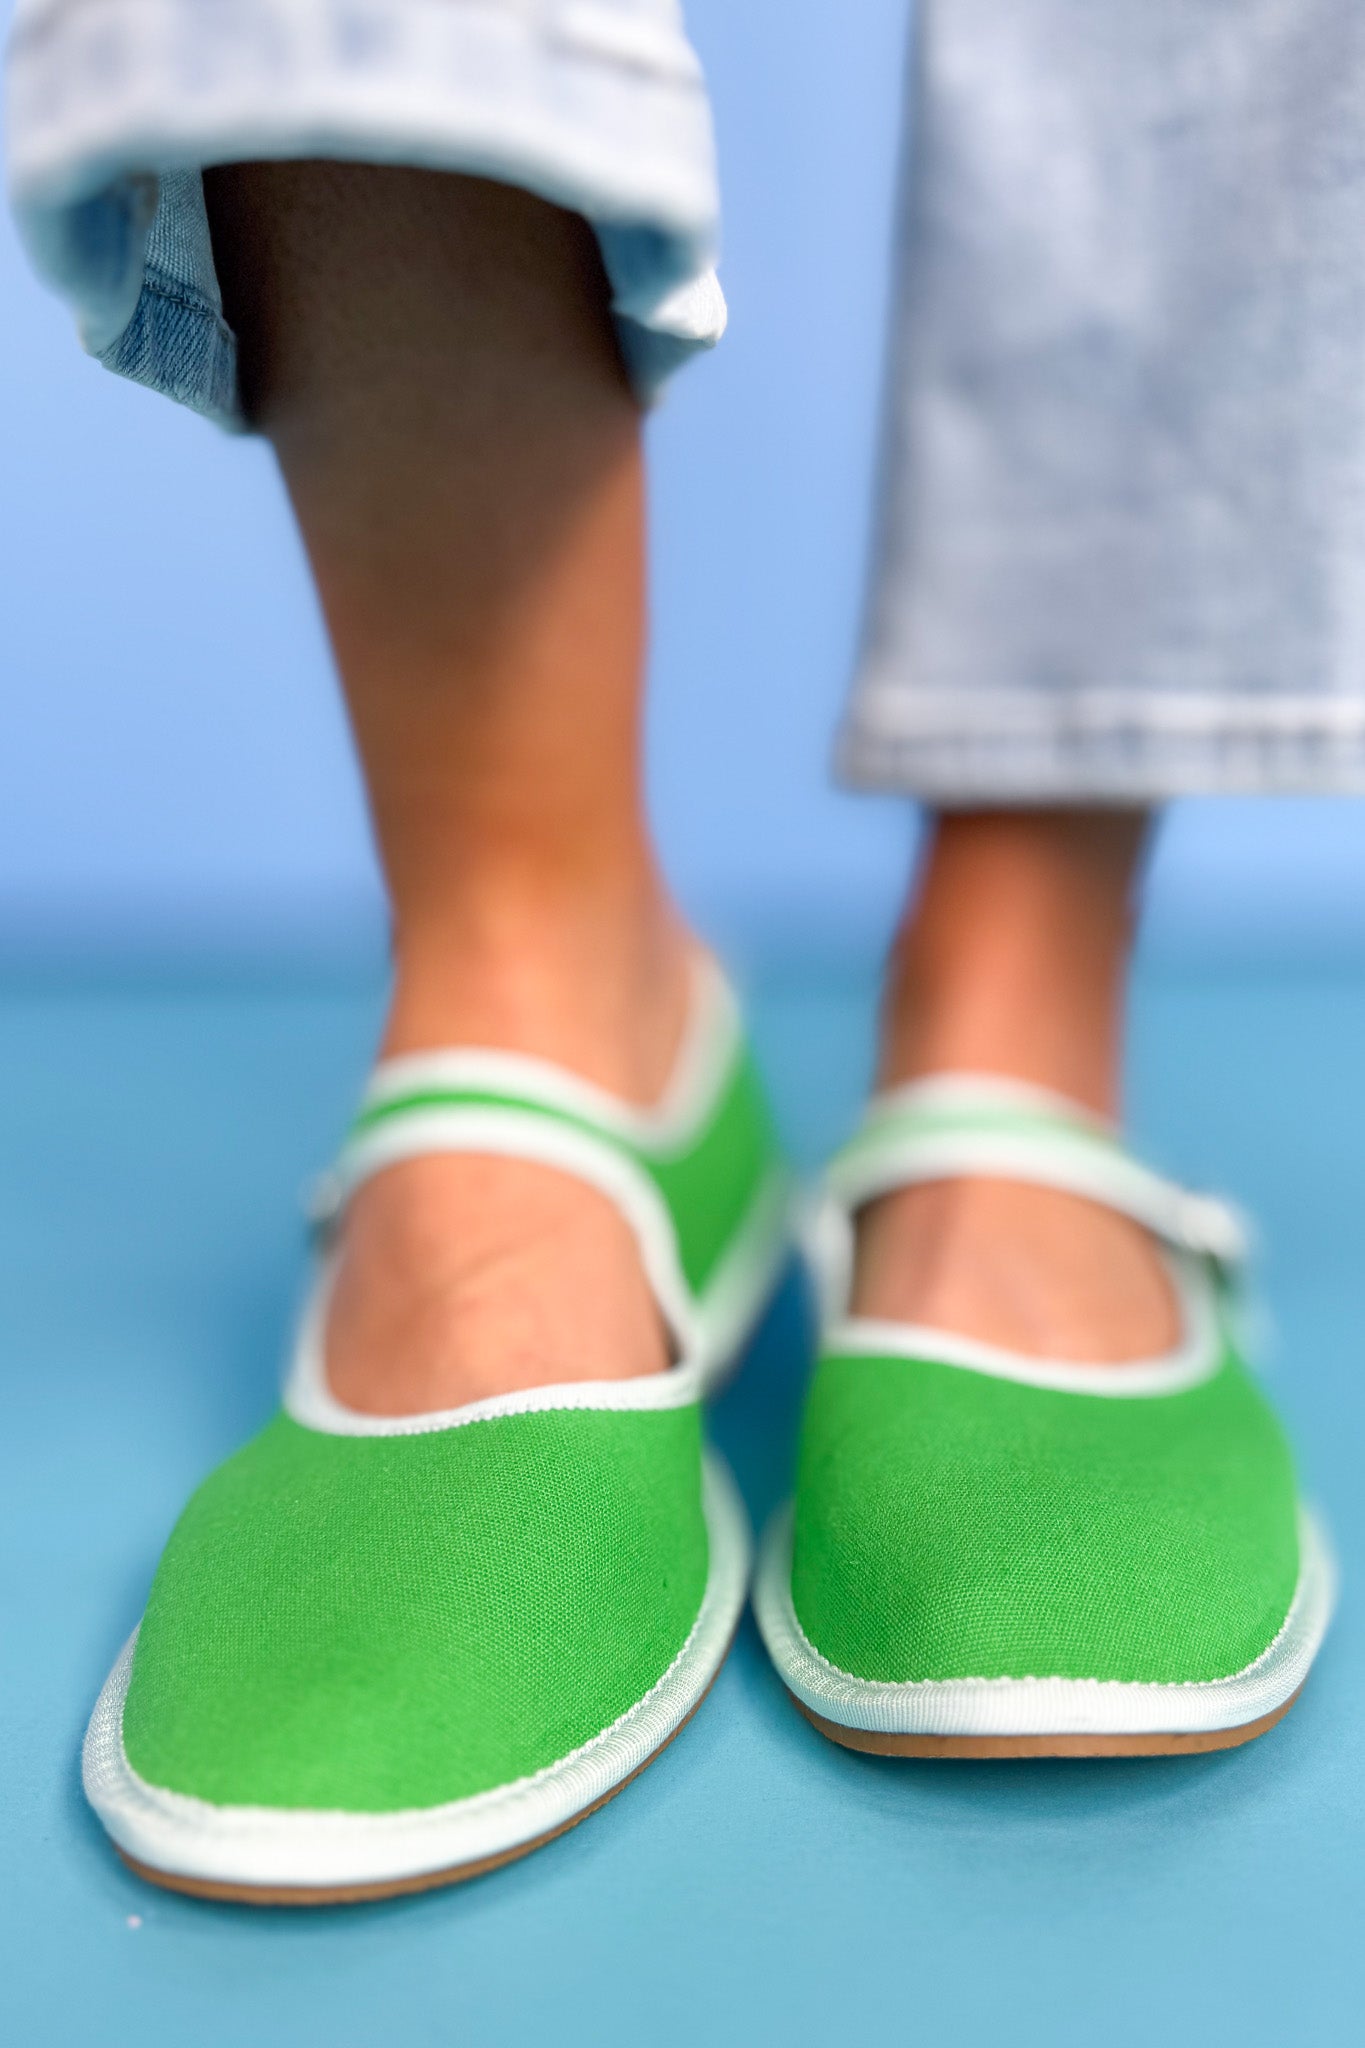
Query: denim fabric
x=177, y=340
x=1123, y=524
x=1122, y=547
x=116, y=106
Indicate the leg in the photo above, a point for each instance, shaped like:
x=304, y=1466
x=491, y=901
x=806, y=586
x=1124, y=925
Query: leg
x=1108, y=577
x=1014, y=962
x=432, y=358
x=1102, y=581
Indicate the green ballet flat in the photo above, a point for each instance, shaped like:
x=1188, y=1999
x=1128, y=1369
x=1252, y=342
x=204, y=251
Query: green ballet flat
x=386, y=1652
x=997, y=1555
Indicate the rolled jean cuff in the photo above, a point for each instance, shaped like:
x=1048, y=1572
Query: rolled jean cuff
x=958, y=749
x=115, y=107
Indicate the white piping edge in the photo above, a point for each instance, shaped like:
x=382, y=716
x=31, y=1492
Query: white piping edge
x=1083, y=1154
x=711, y=1038
x=1044, y=1706
x=880, y=1161
x=189, y=1837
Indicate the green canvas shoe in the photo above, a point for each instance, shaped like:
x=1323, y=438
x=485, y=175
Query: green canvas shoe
x=382, y=1653
x=997, y=1555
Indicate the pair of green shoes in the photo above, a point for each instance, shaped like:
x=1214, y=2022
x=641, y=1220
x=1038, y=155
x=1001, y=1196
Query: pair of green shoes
x=382, y=1653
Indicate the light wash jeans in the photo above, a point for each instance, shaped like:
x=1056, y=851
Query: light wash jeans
x=1122, y=550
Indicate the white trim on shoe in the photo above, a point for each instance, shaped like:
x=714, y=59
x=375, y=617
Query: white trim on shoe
x=899, y=1146
x=1029, y=1706
x=955, y=1125
x=711, y=1038
x=722, y=1322
x=525, y=1134
x=269, y=1847
x=710, y=1333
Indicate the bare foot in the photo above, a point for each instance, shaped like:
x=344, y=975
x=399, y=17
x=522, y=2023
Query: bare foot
x=464, y=1276
x=1012, y=961
x=1027, y=1268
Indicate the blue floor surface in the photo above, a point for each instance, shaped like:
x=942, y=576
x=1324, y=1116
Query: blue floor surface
x=756, y=1884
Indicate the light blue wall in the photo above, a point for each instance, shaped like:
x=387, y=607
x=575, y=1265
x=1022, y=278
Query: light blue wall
x=172, y=764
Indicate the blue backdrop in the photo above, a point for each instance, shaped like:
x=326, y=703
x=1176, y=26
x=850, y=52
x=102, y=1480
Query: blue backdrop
x=173, y=769
x=174, y=779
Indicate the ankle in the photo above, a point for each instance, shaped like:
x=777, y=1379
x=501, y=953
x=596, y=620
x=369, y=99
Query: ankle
x=597, y=983
x=1012, y=957
x=1013, y=961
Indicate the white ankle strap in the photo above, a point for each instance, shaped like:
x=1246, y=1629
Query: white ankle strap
x=517, y=1131
x=953, y=1125
x=474, y=1099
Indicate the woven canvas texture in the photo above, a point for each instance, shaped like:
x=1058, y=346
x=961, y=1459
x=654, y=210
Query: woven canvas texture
x=375, y=1623
x=708, y=1184
x=954, y=1525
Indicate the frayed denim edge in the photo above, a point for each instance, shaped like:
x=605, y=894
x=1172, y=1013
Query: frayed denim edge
x=179, y=344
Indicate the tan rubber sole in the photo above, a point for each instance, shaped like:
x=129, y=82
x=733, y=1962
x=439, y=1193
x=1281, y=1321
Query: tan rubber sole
x=984, y=1748
x=396, y=1887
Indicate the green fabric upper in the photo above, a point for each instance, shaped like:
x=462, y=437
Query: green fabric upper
x=708, y=1183
x=379, y=1622
x=950, y=1524
x=376, y=1623
x=956, y=1523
